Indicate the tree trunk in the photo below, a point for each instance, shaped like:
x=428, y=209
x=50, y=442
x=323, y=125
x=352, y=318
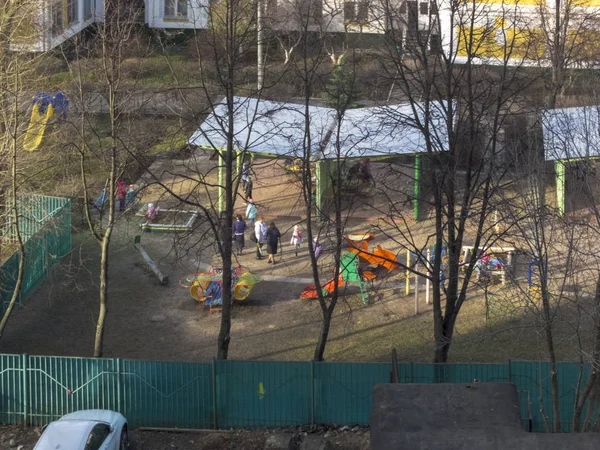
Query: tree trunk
x=20, y=244
x=323, y=334
x=99, y=341
x=591, y=381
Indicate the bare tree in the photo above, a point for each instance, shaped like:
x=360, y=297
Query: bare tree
x=457, y=107
x=16, y=76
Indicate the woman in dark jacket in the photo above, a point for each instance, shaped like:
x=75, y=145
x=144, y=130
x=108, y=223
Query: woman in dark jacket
x=239, y=227
x=272, y=238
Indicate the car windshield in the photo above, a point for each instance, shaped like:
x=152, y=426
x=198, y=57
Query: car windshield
x=67, y=434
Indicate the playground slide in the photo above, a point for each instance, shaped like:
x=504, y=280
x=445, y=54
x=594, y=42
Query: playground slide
x=37, y=127
x=383, y=258
x=310, y=292
x=378, y=257
x=102, y=198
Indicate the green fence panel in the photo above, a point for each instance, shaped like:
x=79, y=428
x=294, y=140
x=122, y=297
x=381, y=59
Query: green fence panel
x=8, y=280
x=568, y=376
x=468, y=373
x=263, y=394
x=11, y=389
x=39, y=389
x=533, y=381
x=423, y=373
x=343, y=391
x=406, y=372
x=35, y=264
x=166, y=394
x=58, y=386
x=45, y=225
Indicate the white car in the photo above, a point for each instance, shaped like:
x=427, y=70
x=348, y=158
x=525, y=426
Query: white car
x=91, y=429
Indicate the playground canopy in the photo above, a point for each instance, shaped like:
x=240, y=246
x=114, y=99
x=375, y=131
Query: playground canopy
x=277, y=128
x=265, y=126
x=571, y=133
x=388, y=130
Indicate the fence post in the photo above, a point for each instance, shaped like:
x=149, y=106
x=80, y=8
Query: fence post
x=509, y=371
x=214, y=390
x=412, y=380
x=25, y=368
x=312, y=392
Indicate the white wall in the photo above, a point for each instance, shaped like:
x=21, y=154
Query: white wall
x=197, y=15
x=46, y=41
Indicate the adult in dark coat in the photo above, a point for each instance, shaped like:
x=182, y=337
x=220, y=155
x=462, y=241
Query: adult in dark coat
x=239, y=227
x=272, y=237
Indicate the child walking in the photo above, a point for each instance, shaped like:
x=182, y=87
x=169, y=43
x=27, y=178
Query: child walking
x=296, y=240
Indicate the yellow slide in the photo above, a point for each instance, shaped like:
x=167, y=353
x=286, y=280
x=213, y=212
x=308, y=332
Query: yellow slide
x=37, y=127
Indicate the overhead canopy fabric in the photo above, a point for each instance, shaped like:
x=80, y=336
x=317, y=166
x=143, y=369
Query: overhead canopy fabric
x=571, y=133
x=278, y=128
x=389, y=130
x=265, y=126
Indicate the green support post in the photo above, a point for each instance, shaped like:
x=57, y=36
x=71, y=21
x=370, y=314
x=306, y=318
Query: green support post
x=318, y=187
x=238, y=163
x=221, y=182
x=417, y=186
x=560, y=186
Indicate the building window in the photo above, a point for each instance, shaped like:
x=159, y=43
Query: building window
x=72, y=12
x=362, y=12
x=433, y=8
x=403, y=8
x=311, y=9
x=56, y=12
x=87, y=9
x=356, y=12
x=435, y=44
x=317, y=10
x=349, y=8
x=424, y=8
x=176, y=9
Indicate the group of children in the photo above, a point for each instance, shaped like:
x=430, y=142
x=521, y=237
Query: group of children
x=266, y=237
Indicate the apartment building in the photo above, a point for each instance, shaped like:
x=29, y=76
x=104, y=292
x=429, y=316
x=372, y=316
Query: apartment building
x=55, y=21
x=486, y=31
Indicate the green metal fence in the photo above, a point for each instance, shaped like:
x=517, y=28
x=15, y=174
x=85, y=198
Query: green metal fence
x=45, y=225
x=224, y=394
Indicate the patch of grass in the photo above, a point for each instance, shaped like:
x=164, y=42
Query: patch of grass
x=175, y=139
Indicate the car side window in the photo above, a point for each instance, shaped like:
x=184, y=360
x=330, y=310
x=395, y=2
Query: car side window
x=97, y=436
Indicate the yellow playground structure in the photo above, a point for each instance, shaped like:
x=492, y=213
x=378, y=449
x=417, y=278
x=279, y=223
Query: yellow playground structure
x=45, y=108
x=206, y=287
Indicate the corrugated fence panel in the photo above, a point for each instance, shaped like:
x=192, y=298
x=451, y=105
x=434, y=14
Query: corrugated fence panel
x=166, y=394
x=423, y=373
x=343, y=391
x=468, y=373
x=35, y=264
x=39, y=389
x=45, y=223
x=263, y=394
x=568, y=374
x=11, y=389
x=532, y=380
x=58, y=386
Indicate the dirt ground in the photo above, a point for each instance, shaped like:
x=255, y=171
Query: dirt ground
x=24, y=438
x=149, y=321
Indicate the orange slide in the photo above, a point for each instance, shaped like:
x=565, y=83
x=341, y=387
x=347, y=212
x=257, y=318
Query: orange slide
x=359, y=244
x=310, y=292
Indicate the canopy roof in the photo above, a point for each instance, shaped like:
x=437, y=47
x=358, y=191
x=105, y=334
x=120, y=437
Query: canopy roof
x=277, y=128
x=571, y=132
x=265, y=126
x=388, y=130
